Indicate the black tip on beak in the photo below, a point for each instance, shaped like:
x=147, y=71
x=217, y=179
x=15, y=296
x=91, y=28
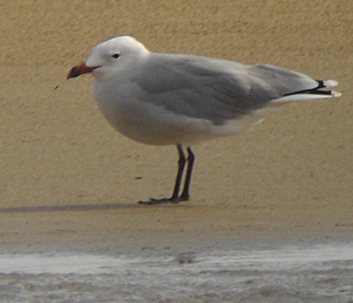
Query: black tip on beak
x=73, y=73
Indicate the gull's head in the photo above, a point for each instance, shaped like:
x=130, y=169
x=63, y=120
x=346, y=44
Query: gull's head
x=110, y=57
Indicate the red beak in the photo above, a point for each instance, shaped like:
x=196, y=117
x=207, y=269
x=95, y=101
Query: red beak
x=80, y=69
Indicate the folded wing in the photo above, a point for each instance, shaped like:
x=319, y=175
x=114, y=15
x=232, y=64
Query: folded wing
x=221, y=90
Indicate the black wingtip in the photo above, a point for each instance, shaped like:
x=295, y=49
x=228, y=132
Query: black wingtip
x=317, y=91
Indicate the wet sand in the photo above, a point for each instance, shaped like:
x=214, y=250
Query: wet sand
x=322, y=274
x=71, y=182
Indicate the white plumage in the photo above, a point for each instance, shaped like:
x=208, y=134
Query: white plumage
x=164, y=99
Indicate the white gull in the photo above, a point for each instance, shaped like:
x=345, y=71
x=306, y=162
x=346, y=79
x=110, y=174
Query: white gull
x=164, y=99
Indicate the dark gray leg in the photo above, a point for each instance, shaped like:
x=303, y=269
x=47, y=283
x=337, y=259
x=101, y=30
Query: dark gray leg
x=181, y=165
x=185, y=195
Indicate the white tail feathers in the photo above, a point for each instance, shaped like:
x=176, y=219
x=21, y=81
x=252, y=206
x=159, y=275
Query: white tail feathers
x=329, y=83
x=335, y=94
x=311, y=94
x=300, y=97
x=332, y=83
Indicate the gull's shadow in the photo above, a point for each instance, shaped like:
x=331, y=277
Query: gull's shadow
x=89, y=207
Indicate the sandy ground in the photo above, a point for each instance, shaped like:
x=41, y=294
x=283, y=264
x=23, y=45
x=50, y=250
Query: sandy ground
x=71, y=182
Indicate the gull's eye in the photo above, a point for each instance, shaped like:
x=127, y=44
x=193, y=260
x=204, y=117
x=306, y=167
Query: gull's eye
x=116, y=56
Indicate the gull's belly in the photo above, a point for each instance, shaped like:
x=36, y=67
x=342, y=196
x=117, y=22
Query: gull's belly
x=154, y=125
x=151, y=124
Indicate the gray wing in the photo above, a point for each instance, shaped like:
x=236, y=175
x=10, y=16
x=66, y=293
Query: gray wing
x=214, y=89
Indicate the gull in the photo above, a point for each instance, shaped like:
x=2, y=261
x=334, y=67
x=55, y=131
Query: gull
x=175, y=99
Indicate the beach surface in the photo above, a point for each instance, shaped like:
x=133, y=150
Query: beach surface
x=70, y=182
